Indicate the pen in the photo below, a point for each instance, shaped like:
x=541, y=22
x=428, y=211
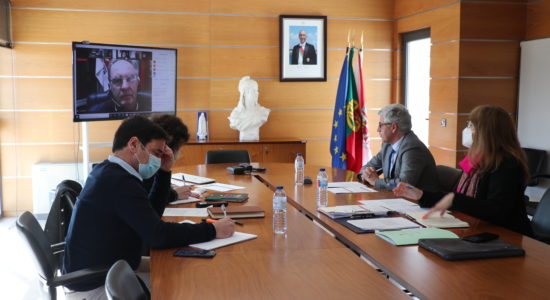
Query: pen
x=224, y=212
x=214, y=221
x=183, y=178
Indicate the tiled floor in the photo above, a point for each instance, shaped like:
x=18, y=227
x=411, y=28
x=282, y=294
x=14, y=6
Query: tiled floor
x=18, y=275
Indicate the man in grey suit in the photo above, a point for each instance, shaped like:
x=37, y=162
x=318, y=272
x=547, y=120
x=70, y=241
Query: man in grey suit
x=403, y=157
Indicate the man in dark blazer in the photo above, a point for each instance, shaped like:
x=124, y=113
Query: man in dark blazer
x=303, y=53
x=403, y=157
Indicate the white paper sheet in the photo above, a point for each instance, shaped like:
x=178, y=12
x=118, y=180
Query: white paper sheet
x=218, y=243
x=192, y=178
x=438, y=221
x=221, y=187
x=348, y=187
x=384, y=224
x=399, y=205
x=185, y=212
x=179, y=182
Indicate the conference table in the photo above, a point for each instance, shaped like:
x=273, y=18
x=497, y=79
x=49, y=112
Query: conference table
x=309, y=262
x=305, y=263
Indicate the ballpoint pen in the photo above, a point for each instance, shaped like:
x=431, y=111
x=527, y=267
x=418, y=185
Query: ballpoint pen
x=183, y=178
x=224, y=211
x=214, y=221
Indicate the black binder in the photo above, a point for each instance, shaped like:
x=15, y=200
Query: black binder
x=458, y=249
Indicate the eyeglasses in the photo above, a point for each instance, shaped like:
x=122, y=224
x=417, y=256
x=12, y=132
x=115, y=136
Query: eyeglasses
x=382, y=124
x=119, y=81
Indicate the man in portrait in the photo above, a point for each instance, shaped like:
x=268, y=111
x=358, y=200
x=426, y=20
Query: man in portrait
x=303, y=53
x=123, y=95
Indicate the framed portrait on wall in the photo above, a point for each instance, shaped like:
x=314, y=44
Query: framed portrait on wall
x=303, y=48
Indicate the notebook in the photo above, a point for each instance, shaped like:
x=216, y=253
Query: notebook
x=411, y=236
x=343, y=211
x=236, y=212
x=458, y=249
x=436, y=220
x=237, y=237
x=228, y=197
x=192, y=178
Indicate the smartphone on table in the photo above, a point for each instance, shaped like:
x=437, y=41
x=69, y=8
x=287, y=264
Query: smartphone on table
x=195, y=253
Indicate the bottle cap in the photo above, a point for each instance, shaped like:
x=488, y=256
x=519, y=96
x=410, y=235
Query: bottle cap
x=322, y=169
x=299, y=154
x=279, y=187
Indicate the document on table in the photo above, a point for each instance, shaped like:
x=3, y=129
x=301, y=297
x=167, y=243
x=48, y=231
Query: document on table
x=348, y=187
x=399, y=205
x=183, y=201
x=383, y=224
x=436, y=220
x=237, y=237
x=179, y=182
x=192, y=178
x=411, y=236
x=221, y=187
x=185, y=212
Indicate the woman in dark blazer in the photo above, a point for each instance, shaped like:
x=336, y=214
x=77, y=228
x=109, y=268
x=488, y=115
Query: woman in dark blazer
x=494, y=174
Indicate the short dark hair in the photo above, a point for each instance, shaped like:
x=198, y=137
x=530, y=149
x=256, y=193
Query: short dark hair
x=178, y=133
x=142, y=128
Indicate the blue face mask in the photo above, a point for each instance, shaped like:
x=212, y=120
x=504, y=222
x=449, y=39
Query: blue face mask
x=149, y=169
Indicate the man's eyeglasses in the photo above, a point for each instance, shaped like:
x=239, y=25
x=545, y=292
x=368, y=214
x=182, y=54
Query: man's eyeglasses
x=382, y=124
x=119, y=81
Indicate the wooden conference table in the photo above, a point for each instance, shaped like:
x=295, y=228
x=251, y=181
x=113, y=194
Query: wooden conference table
x=306, y=263
x=424, y=274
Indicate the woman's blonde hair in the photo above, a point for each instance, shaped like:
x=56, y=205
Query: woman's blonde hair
x=494, y=138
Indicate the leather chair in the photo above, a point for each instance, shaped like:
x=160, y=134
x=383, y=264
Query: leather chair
x=535, y=163
x=541, y=219
x=448, y=177
x=123, y=284
x=48, y=267
x=227, y=156
x=59, y=217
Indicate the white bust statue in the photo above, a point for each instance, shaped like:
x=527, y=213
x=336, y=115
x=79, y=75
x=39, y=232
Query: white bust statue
x=248, y=116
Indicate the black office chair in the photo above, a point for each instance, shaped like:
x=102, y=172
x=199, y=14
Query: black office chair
x=227, y=156
x=48, y=268
x=448, y=177
x=535, y=163
x=123, y=284
x=541, y=219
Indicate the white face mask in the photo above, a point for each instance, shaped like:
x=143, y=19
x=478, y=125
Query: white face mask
x=467, y=137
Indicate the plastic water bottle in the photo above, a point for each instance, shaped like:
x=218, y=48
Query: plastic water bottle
x=299, y=169
x=279, y=210
x=322, y=191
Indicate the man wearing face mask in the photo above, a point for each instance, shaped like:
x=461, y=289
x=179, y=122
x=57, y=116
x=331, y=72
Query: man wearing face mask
x=113, y=215
x=403, y=157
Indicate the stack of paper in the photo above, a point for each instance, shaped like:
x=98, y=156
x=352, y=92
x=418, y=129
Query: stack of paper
x=383, y=224
x=348, y=187
x=398, y=205
x=217, y=243
x=221, y=187
x=192, y=178
x=411, y=236
x=185, y=212
x=436, y=220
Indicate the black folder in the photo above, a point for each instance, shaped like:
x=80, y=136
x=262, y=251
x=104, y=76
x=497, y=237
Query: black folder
x=458, y=249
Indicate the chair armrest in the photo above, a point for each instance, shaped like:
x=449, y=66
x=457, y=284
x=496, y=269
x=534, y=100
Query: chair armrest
x=57, y=248
x=79, y=276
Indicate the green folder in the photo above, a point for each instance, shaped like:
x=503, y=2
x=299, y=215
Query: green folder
x=411, y=236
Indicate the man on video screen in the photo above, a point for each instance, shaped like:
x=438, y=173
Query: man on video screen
x=123, y=95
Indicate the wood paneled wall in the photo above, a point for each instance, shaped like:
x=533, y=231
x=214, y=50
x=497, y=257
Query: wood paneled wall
x=474, y=61
x=218, y=42
x=537, y=23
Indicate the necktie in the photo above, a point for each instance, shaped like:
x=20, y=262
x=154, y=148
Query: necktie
x=390, y=165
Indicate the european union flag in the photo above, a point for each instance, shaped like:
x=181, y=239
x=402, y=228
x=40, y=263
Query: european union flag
x=338, y=137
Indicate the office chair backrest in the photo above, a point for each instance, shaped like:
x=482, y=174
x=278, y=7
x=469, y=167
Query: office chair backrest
x=227, y=156
x=541, y=219
x=448, y=177
x=123, y=284
x=535, y=162
x=36, y=239
x=61, y=210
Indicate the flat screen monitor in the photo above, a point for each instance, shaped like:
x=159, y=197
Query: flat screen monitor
x=113, y=82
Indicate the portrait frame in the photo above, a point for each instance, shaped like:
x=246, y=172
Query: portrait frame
x=307, y=62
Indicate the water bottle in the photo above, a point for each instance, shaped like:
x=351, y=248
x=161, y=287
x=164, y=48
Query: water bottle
x=279, y=210
x=299, y=169
x=322, y=191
